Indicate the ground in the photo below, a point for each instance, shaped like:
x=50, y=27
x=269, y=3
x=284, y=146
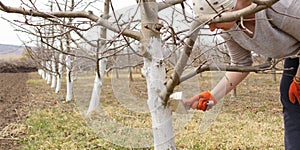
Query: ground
x=34, y=117
x=17, y=99
x=14, y=104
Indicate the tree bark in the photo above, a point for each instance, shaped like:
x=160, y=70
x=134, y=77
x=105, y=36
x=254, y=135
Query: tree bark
x=59, y=73
x=69, y=81
x=101, y=65
x=154, y=72
x=48, y=75
x=53, y=71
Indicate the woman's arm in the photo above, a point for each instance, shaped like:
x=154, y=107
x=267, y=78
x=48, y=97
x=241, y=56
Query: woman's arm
x=228, y=82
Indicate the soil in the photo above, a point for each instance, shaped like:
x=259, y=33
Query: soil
x=17, y=99
x=13, y=96
x=17, y=66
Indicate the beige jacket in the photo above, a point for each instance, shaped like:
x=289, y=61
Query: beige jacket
x=275, y=35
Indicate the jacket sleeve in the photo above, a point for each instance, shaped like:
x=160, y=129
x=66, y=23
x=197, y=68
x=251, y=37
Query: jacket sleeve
x=238, y=55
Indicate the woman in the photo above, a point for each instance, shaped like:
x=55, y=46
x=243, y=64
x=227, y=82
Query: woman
x=267, y=33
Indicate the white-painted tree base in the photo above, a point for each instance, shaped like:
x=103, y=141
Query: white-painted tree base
x=69, y=94
x=95, y=98
x=59, y=75
x=155, y=74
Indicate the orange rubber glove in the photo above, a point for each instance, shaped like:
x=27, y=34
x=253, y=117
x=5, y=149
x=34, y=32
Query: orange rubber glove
x=200, y=101
x=294, y=91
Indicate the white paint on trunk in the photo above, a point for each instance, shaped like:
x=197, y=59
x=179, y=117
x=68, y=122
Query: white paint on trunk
x=60, y=71
x=68, y=78
x=69, y=91
x=161, y=116
x=95, y=99
x=53, y=72
x=48, y=75
x=43, y=74
x=43, y=70
x=58, y=83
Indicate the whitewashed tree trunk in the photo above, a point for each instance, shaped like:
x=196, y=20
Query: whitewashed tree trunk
x=69, y=79
x=161, y=116
x=48, y=75
x=41, y=70
x=43, y=73
x=154, y=72
x=60, y=72
x=53, y=72
x=46, y=70
x=95, y=99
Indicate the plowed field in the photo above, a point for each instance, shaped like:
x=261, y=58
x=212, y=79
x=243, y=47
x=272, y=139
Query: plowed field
x=13, y=103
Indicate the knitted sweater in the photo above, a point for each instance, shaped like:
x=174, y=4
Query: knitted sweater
x=275, y=35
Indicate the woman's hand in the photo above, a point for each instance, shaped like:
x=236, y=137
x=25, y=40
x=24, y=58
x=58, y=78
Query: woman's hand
x=294, y=91
x=200, y=102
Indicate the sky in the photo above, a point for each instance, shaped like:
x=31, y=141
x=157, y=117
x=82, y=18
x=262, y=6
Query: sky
x=9, y=36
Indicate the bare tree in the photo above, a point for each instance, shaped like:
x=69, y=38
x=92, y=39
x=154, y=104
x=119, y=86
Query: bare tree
x=100, y=63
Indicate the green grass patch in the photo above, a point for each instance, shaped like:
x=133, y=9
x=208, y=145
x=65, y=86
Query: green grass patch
x=35, y=81
x=60, y=129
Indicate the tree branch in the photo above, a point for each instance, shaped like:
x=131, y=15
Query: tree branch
x=181, y=63
x=167, y=3
x=70, y=14
x=65, y=14
x=259, y=68
x=235, y=15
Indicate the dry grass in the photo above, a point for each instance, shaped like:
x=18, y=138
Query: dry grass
x=252, y=120
x=13, y=130
x=10, y=57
